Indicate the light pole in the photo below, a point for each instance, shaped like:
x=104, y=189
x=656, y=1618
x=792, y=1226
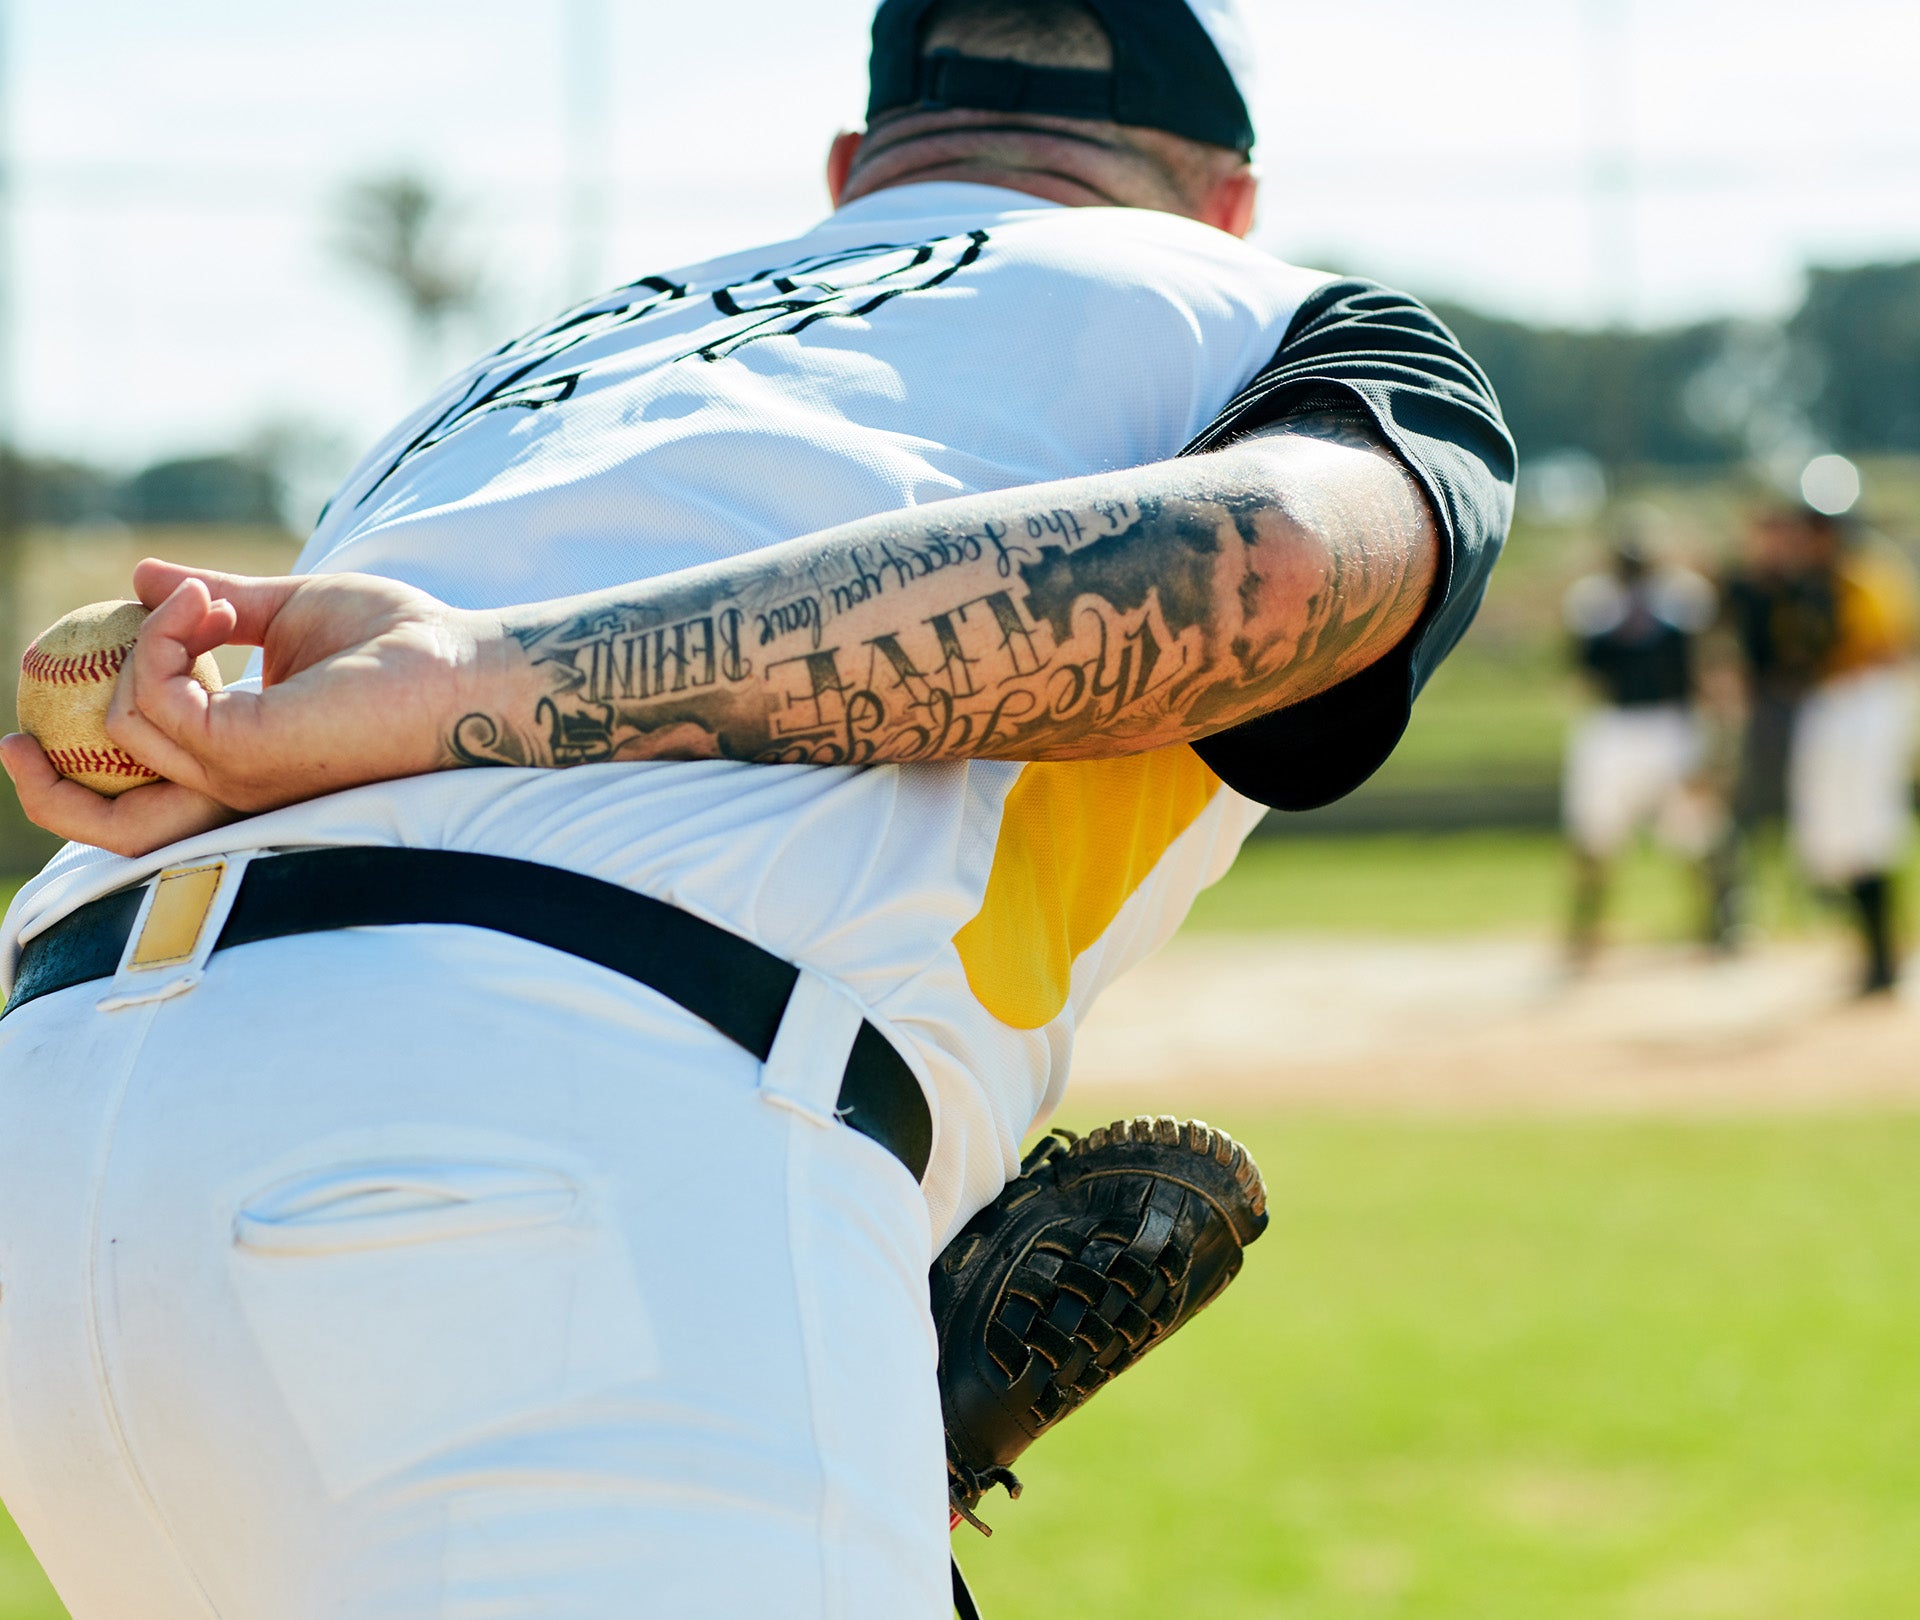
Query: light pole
x=589, y=139
x=22, y=847
x=11, y=473
x=1613, y=251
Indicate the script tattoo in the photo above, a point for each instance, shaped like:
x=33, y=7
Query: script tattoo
x=1120, y=620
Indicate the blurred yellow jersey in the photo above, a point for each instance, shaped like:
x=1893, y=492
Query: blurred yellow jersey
x=1876, y=611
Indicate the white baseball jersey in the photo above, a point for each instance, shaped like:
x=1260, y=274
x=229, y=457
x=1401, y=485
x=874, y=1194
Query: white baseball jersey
x=929, y=341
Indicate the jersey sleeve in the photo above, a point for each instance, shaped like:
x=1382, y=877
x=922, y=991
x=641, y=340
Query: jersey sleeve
x=1356, y=344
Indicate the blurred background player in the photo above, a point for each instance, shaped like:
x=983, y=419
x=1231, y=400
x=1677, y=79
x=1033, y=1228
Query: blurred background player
x=1778, y=617
x=1635, y=758
x=1849, y=779
x=1778, y=609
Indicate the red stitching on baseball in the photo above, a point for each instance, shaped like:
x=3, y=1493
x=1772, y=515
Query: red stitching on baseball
x=95, y=666
x=100, y=761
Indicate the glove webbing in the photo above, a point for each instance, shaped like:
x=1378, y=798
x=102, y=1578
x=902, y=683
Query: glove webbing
x=1086, y=1316
x=1074, y=1317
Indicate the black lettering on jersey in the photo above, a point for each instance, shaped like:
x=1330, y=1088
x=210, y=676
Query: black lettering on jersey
x=836, y=286
x=507, y=380
x=780, y=302
x=608, y=313
x=515, y=391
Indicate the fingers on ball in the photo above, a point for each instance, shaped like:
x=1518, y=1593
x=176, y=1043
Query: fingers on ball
x=67, y=682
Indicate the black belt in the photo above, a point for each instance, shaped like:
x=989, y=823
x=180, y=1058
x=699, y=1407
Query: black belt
x=731, y=983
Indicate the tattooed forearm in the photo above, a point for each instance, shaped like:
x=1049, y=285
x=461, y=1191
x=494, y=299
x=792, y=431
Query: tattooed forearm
x=1107, y=615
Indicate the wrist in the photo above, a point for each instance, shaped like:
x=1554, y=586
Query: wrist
x=493, y=696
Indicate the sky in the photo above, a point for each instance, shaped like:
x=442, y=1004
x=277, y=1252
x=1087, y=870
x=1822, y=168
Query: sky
x=177, y=168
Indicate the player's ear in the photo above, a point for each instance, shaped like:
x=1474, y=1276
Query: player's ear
x=1233, y=202
x=840, y=156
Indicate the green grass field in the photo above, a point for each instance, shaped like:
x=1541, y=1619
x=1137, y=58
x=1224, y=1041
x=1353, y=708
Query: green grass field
x=1489, y=1371
x=24, y=1594
x=1631, y=1371
x=1473, y=883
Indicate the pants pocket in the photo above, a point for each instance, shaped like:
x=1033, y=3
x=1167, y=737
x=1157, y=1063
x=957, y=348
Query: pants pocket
x=380, y=1206
x=405, y=1307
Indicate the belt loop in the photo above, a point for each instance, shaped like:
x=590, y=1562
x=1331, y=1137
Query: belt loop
x=178, y=924
x=809, y=1057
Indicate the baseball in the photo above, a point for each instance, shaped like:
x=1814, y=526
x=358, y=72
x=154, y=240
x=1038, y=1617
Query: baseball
x=66, y=683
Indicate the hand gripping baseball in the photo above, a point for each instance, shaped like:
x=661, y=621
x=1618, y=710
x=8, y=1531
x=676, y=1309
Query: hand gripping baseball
x=358, y=673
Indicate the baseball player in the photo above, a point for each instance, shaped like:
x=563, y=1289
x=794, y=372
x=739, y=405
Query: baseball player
x=1849, y=781
x=1634, y=758
x=1825, y=623
x=439, y=1191
x=1778, y=608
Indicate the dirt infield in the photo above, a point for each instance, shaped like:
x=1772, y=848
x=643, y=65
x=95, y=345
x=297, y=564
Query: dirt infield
x=1496, y=1026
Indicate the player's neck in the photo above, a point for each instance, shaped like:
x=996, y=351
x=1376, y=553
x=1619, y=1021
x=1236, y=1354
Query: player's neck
x=1048, y=186
x=1073, y=163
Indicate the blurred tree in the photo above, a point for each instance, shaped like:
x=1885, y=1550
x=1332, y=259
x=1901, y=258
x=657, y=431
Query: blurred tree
x=1843, y=372
x=403, y=232
x=1619, y=395
x=54, y=490
x=279, y=477
x=203, y=489
x=1863, y=326
x=1753, y=395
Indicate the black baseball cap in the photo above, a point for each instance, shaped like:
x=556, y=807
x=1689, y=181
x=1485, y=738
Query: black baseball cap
x=1168, y=73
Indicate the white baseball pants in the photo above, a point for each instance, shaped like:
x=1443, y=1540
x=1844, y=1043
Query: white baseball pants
x=426, y=1274
x=1849, y=785
x=1628, y=767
